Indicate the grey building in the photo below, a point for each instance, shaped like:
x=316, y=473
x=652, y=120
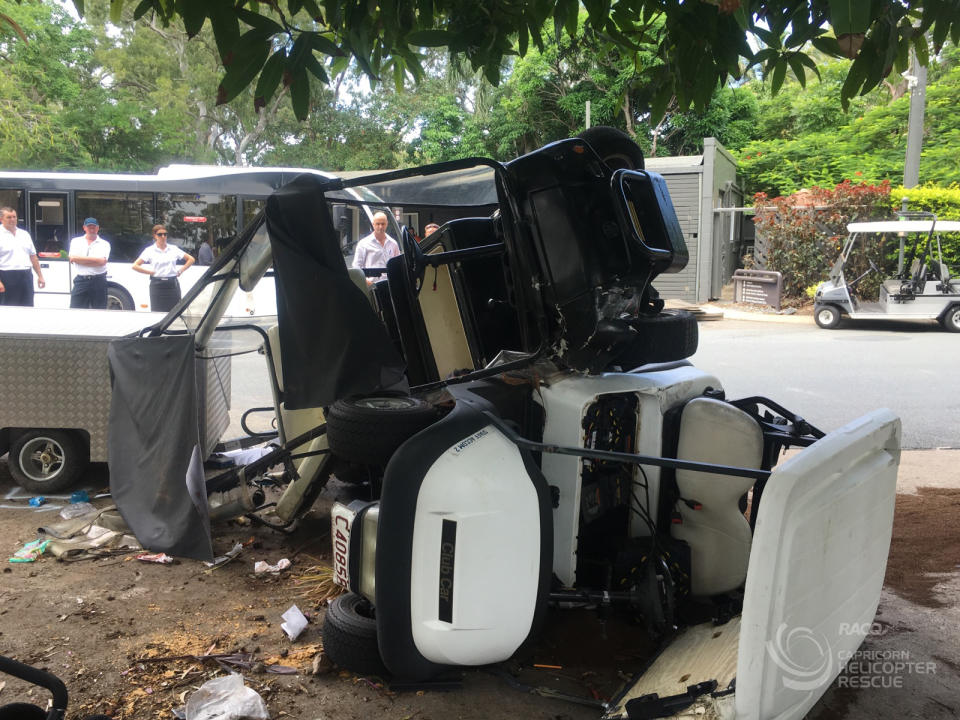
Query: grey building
x=700, y=186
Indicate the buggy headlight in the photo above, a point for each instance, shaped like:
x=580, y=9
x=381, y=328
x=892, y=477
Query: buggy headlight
x=367, y=555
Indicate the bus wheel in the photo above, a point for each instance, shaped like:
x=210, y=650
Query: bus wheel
x=45, y=461
x=118, y=298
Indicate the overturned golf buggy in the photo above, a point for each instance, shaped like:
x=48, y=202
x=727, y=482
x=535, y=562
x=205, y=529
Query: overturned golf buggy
x=557, y=449
x=519, y=407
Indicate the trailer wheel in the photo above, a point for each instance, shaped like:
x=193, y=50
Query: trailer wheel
x=119, y=299
x=668, y=335
x=369, y=430
x=350, y=635
x=951, y=320
x=44, y=461
x=615, y=147
x=827, y=316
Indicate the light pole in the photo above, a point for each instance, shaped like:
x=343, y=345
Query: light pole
x=917, y=82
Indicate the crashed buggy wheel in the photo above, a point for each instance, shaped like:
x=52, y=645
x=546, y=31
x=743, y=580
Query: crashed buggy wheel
x=827, y=316
x=667, y=336
x=45, y=461
x=369, y=430
x=350, y=635
x=615, y=147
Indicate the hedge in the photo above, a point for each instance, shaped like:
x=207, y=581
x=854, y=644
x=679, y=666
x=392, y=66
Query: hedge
x=944, y=202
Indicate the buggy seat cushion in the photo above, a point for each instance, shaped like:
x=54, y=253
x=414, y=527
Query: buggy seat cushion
x=718, y=533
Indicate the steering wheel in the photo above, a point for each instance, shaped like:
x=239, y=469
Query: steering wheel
x=413, y=257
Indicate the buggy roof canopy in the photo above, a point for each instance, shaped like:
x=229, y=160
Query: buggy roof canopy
x=909, y=226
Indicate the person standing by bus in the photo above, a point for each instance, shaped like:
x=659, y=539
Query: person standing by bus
x=89, y=253
x=17, y=254
x=162, y=259
x=375, y=249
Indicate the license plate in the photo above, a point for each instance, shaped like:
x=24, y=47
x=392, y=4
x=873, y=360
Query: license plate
x=341, y=521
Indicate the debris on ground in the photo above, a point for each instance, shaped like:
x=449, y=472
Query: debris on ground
x=316, y=585
x=226, y=698
x=261, y=567
x=294, y=622
x=226, y=557
x=159, y=558
x=76, y=509
x=30, y=552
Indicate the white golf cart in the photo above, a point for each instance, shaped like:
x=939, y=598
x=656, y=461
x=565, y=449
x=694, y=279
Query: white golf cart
x=921, y=289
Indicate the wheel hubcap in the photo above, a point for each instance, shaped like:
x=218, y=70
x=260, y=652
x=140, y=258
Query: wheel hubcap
x=41, y=459
x=387, y=403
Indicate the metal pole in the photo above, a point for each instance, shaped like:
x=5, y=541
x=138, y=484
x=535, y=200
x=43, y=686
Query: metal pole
x=918, y=96
x=588, y=115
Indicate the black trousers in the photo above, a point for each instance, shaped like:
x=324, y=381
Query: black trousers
x=18, y=286
x=89, y=291
x=164, y=294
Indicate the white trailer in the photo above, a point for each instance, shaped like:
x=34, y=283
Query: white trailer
x=55, y=396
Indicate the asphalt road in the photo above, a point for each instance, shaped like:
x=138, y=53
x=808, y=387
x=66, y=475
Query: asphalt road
x=832, y=376
x=827, y=376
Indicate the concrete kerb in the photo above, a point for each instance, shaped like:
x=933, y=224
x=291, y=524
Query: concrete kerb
x=760, y=314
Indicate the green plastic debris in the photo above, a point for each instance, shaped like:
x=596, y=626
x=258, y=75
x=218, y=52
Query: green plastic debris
x=30, y=552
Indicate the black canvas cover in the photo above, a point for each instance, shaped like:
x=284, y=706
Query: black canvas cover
x=334, y=345
x=156, y=472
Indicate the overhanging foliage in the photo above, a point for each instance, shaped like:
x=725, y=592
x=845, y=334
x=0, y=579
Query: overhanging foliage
x=703, y=43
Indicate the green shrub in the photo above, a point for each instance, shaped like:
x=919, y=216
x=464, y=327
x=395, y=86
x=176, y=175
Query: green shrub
x=944, y=202
x=804, y=232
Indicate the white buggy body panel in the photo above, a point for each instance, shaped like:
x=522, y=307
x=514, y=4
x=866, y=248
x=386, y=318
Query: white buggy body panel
x=492, y=522
x=816, y=568
x=565, y=403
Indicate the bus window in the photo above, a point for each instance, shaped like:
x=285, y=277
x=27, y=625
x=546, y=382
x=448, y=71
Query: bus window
x=14, y=199
x=125, y=219
x=251, y=206
x=193, y=218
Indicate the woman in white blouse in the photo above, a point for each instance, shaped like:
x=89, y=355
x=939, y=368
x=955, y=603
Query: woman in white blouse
x=159, y=261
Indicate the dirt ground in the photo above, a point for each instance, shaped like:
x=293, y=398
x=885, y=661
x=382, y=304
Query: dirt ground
x=124, y=635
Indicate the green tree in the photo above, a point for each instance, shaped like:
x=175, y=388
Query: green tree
x=812, y=142
x=703, y=43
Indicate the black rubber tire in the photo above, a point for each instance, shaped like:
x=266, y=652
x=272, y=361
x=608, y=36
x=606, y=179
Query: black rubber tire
x=826, y=316
x=615, y=147
x=951, y=319
x=22, y=711
x=350, y=635
x=45, y=461
x=369, y=430
x=669, y=335
x=119, y=299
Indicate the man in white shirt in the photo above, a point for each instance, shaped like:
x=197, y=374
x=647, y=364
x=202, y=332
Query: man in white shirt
x=17, y=254
x=375, y=249
x=88, y=255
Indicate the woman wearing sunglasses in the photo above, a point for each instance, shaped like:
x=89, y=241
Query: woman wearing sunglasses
x=159, y=261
